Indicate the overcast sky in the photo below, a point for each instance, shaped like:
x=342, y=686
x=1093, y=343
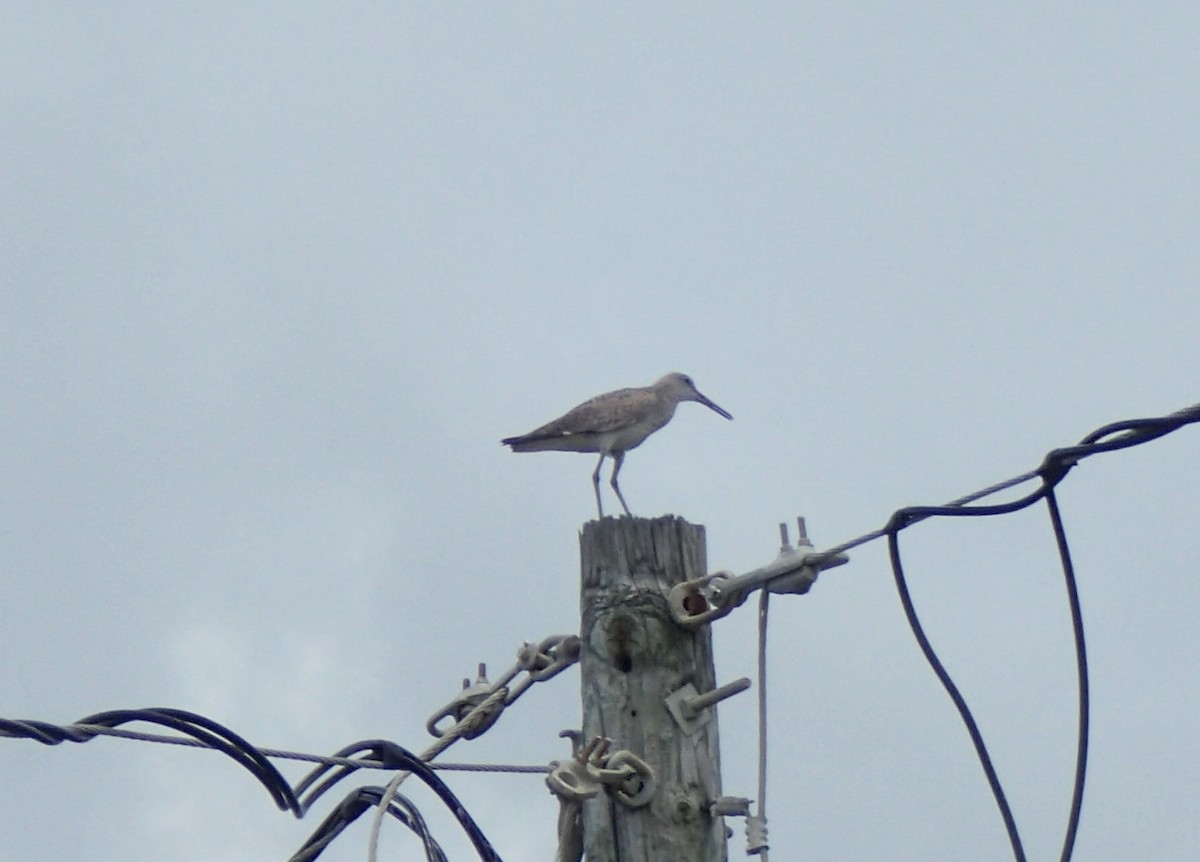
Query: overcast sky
x=278, y=277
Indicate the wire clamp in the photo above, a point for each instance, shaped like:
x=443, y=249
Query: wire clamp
x=571, y=781
x=712, y=596
x=539, y=662
x=471, y=696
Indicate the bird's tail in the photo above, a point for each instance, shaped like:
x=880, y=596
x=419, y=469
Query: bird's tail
x=531, y=444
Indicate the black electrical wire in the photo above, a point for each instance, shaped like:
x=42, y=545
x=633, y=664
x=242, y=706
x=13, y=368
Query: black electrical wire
x=1054, y=468
x=396, y=757
x=960, y=703
x=1056, y=462
x=390, y=756
x=352, y=807
x=209, y=734
x=370, y=748
x=1081, y=666
x=907, y=517
x=1046, y=491
x=204, y=730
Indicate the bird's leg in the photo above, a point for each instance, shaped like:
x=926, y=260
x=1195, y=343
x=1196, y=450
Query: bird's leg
x=596, y=484
x=618, y=459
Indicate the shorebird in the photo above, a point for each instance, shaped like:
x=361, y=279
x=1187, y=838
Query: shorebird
x=612, y=424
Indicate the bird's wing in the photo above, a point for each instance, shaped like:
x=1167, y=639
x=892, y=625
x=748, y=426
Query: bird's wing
x=608, y=412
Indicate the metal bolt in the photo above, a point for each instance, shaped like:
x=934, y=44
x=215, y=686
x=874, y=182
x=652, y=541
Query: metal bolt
x=703, y=701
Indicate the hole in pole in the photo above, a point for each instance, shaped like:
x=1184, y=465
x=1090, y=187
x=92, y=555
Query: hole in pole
x=620, y=642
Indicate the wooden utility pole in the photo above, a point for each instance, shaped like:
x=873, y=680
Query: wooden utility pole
x=634, y=656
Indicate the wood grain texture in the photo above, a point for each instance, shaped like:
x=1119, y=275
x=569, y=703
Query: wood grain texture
x=634, y=655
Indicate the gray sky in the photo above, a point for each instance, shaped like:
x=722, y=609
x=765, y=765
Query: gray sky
x=277, y=279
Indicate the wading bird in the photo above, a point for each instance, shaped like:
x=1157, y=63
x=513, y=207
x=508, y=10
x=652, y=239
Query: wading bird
x=612, y=424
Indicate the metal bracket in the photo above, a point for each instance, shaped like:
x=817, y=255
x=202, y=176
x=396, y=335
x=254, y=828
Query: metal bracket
x=572, y=781
x=689, y=708
x=730, y=806
x=628, y=778
x=794, y=570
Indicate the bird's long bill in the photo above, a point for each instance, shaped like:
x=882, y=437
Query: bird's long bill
x=713, y=406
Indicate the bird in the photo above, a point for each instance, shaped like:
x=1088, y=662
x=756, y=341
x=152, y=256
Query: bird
x=612, y=424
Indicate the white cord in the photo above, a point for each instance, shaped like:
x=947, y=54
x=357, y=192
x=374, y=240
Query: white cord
x=756, y=827
x=570, y=831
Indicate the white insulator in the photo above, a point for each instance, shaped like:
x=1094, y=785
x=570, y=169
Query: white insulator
x=756, y=835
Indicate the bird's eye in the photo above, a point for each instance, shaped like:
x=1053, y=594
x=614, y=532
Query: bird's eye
x=688, y=380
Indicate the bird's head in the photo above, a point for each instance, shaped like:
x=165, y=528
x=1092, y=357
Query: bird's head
x=681, y=388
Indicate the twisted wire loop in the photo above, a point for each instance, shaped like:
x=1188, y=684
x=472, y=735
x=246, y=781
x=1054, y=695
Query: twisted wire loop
x=1053, y=469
